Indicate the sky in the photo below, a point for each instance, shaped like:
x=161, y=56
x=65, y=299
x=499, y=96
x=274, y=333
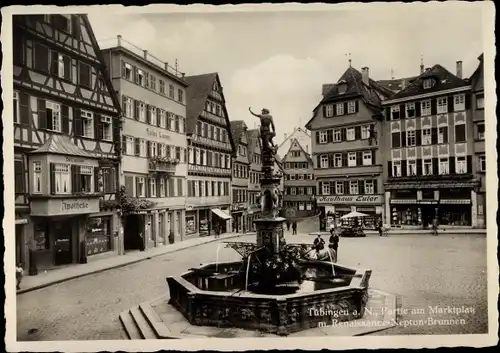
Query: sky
x=280, y=59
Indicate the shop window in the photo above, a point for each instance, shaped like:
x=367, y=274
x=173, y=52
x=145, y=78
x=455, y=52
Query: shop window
x=41, y=236
x=98, y=235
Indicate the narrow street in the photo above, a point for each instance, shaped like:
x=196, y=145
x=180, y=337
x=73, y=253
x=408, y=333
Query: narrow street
x=424, y=271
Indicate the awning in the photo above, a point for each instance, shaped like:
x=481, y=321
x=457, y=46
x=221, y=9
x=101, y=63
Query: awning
x=455, y=202
x=220, y=213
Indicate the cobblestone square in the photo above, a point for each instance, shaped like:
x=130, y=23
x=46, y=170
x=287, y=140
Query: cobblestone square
x=440, y=282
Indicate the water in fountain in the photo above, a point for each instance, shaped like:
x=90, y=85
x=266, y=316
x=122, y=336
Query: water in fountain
x=217, y=256
x=248, y=269
x=331, y=260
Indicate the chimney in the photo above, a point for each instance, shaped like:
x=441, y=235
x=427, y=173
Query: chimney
x=365, y=74
x=459, y=69
x=403, y=83
x=145, y=54
x=166, y=66
x=326, y=88
x=119, y=38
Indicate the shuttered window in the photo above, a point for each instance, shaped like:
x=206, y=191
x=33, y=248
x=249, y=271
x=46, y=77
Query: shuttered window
x=19, y=177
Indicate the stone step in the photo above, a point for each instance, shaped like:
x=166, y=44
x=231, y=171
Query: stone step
x=145, y=329
x=160, y=329
x=129, y=326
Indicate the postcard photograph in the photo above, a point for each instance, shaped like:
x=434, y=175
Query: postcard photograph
x=228, y=176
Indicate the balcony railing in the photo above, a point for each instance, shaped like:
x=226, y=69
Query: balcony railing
x=162, y=165
x=209, y=170
x=211, y=143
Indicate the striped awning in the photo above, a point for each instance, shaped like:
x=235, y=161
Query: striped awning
x=403, y=201
x=455, y=202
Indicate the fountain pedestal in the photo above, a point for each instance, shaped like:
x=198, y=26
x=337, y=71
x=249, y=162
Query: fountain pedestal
x=270, y=233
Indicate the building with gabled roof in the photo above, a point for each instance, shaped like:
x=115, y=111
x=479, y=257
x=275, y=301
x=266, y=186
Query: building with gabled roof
x=429, y=146
x=66, y=143
x=300, y=134
x=345, y=128
x=299, y=184
x=241, y=176
x=210, y=152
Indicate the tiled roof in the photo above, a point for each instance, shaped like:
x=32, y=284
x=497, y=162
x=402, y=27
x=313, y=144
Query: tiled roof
x=308, y=156
x=355, y=87
x=61, y=144
x=444, y=80
x=396, y=85
x=238, y=128
x=198, y=90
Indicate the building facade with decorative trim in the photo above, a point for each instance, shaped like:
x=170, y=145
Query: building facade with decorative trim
x=430, y=148
x=66, y=143
x=154, y=145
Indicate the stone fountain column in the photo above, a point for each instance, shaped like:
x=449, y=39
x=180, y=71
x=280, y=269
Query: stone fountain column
x=270, y=227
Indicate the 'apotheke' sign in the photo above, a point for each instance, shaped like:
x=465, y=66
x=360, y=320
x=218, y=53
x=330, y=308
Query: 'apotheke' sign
x=351, y=199
x=59, y=207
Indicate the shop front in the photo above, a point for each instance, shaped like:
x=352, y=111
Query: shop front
x=451, y=204
x=220, y=220
x=337, y=206
x=191, y=223
x=239, y=215
x=98, y=234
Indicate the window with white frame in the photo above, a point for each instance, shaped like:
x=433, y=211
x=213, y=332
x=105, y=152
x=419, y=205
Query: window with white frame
x=427, y=166
x=60, y=65
x=152, y=187
x=87, y=123
x=411, y=138
x=340, y=108
x=53, y=116
x=480, y=102
x=353, y=187
x=152, y=82
x=367, y=158
x=129, y=145
x=163, y=119
x=141, y=77
x=62, y=179
x=324, y=161
x=395, y=113
x=128, y=72
x=171, y=91
x=325, y=188
x=107, y=128
x=323, y=137
x=308, y=206
x=410, y=110
x=153, y=149
x=301, y=206
x=142, y=148
x=442, y=105
x=369, y=187
x=16, y=107
x=152, y=115
x=351, y=107
x=425, y=108
x=412, y=167
x=142, y=111
x=350, y=134
x=427, y=83
x=337, y=135
x=351, y=159
x=396, y=168
x=444, y=166
x=37, y=177
x=141, y=190
x=129, y=110
x=459, y=102
x=442, y=135
x=329, y=110
x=426, y=137
x=293, y=191
x=337, y=160
x=309, y=190
x=85, y=179
x=365, y=131
x=301, y=191
x=161, y=185
x=461, y=165
x=482, y=163
x=339, y=187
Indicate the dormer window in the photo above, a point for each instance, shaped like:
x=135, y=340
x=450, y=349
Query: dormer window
x=428, y=83
x=342, y=87
x=395, y=112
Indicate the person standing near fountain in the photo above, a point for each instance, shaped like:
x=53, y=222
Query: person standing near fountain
x=294, y=228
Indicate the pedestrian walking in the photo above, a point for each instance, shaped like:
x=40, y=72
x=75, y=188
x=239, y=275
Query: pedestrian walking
x=380, y=227
x=294, y=228
x=142, y=245
x=435, y=227
x=19, y=275
x=287, y=225
x=334, y=239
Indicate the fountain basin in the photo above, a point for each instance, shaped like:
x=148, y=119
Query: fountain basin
x=209, y=297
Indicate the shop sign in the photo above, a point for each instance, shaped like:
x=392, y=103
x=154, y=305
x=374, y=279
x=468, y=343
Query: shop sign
x=351, y=199
x=157, y=134
x=189, y=207
x=60, y=207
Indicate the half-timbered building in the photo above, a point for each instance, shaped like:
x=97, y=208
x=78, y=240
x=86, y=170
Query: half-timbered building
x=241, y=172
x=66, y=142
x=154, y=147
x=211, y=149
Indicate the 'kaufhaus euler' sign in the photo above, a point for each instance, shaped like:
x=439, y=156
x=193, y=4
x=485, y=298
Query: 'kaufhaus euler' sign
x=350, y=199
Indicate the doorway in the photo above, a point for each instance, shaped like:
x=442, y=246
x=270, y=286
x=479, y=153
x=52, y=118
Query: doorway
x=161, y=228
x=63, y=236
x=133, y=227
